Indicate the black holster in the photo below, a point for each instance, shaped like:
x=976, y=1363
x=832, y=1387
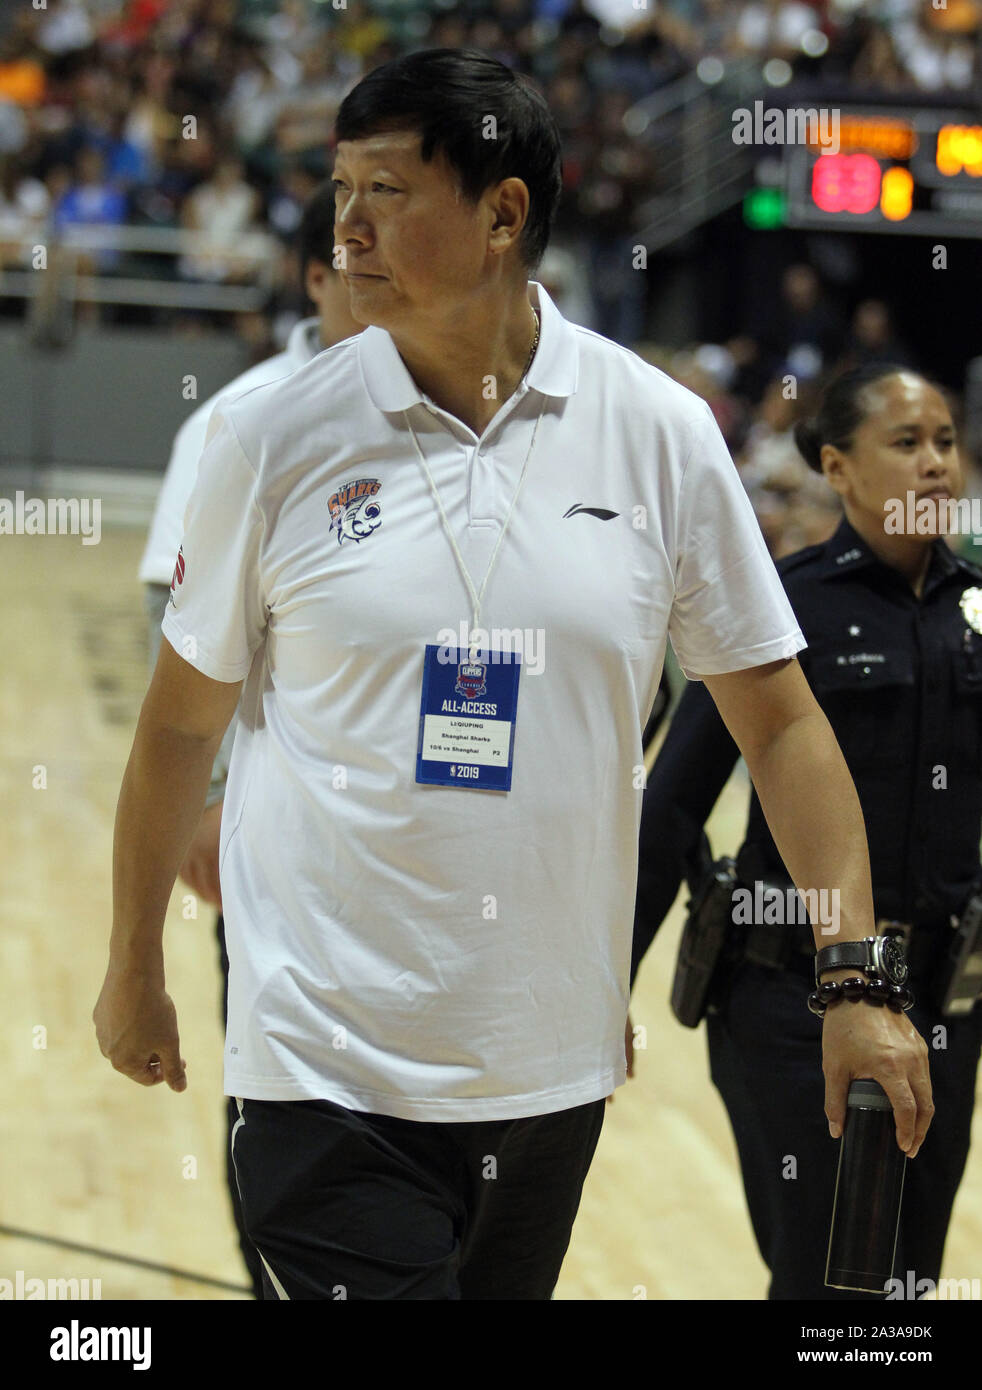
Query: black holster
x=957, y=983
x=707, y=939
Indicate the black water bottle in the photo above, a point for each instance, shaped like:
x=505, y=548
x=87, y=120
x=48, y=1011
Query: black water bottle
x=868, y=1190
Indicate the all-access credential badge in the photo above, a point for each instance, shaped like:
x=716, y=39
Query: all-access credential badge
x=971, y=606
x=467, y=720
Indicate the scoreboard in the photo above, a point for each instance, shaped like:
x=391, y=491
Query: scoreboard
x=917, y=172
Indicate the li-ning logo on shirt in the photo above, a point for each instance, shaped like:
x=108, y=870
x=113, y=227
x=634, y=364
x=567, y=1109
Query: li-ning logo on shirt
x=354, y=512
x=600, y=512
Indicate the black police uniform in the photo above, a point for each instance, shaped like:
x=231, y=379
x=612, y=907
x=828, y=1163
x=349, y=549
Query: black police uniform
x=900, y=680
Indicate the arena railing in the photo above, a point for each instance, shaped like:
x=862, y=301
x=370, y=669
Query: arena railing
x=58, y=276
x=699, y=170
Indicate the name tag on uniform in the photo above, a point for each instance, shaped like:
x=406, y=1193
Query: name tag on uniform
x=467, y=719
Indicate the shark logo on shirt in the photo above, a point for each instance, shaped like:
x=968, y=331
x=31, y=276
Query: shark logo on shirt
x=355, y=512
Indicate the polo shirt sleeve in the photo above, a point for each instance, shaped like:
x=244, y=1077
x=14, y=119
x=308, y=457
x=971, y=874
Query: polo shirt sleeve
x=216, y=616
x=730, y=610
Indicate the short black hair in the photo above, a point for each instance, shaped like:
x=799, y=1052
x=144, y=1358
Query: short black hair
x=841, y=410
x=315, y=236
x=447, y=96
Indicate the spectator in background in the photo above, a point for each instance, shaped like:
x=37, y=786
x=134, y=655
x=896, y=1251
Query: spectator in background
x=709, y=370
x=288, y=199
x=937, y=46
x=92, y=95
x=487, y=35
x=616, y=177
x=291, y=28
x=24, y=204
x=208, y=63
x=254, y=102
x=775, y=28
x=91, y=201
x=872, y=337
x=713, y=29
x=802, y=318
x=570, y=101
x=160, y=203
x=223, y=210
x=125, y=162
x=64, y=27
x=22, y=79
x=750, y=376
x=309, y=109
x=135, y=22
x=564, y=279
x=57, y=181
x=874, y=61
x=149, y=121
x=646, y=60
x=794, y=506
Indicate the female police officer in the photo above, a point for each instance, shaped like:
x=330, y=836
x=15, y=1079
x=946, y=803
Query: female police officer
x=894, y=657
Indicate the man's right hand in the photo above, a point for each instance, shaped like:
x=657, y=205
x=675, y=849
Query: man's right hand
x=136, y=1027
x=859, y=1040
x=200, y=868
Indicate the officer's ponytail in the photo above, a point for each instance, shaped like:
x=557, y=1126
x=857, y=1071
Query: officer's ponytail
x=809, y=442
x=840, y=411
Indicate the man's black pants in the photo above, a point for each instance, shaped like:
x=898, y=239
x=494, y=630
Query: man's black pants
x=766, y=1061
x=250, y=1255
x=347, y=1205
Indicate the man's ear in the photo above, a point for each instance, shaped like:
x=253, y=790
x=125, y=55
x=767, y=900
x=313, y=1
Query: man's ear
x=510, y=210
x=313, y=280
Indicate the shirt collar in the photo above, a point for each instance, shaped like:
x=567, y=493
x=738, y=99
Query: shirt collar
x=304, y=341
x=554, y=370
x=847, y=552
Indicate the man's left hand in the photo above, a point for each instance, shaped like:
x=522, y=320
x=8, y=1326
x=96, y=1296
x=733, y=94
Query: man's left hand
x=200, y=868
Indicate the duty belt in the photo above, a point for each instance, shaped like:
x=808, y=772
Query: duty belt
x=921, y=942
x=792, y=946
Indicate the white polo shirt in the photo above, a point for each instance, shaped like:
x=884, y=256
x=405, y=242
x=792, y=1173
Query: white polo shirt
x=423, y=951
x=164, y=538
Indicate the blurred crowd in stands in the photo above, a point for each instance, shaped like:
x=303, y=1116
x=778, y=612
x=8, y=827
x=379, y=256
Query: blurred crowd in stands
x=213, y=115
x=758, y=386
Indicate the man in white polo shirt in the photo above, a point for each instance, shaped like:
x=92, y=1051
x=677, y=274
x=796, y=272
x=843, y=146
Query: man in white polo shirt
x=429, y=845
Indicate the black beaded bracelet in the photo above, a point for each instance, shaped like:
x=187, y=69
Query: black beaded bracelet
x=875, y=991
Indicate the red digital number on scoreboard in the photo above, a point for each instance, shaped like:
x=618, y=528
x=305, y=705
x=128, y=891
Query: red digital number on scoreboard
x=846, y=183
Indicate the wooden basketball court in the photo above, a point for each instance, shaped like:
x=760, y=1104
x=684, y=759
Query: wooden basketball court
x=93, y=1167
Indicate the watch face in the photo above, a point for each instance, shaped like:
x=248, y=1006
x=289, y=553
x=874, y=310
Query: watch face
x=890, y=959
